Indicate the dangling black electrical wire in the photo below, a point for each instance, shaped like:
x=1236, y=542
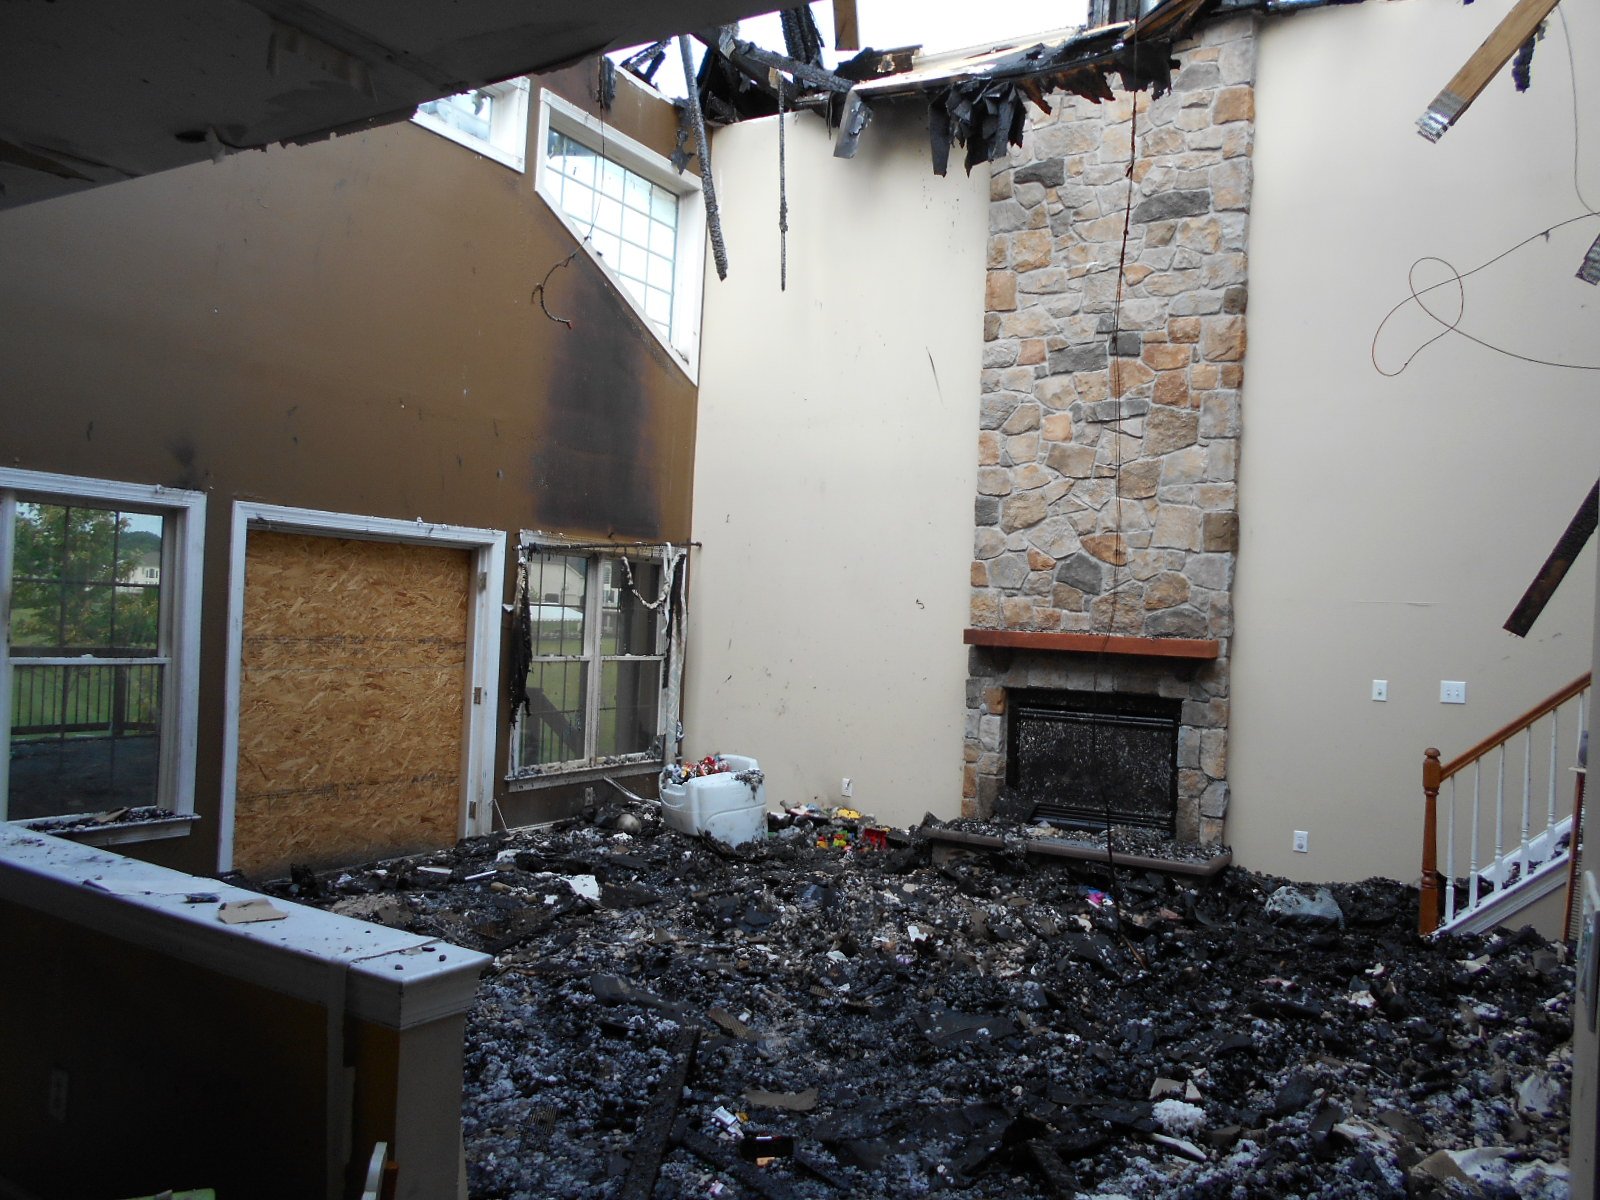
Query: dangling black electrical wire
x=1114, y=379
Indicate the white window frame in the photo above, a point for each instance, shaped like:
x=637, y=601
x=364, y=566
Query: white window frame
x=182, y=554
x=689, y=256
x=508, y=125
x=592, y=764
x=479, y=701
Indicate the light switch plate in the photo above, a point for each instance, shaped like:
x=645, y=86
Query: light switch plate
x=1452, y=691
x=1380, y=689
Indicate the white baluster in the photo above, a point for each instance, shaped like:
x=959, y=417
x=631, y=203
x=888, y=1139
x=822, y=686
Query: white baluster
x=1527, y=797
x=1477, y=808
x=1450, y=856
x=1500, y=819
x=1550, y=814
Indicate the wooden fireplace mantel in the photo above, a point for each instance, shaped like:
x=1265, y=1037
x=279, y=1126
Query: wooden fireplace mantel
x=1093, y=643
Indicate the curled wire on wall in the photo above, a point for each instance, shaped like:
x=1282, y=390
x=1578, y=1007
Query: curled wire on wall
x=1453, y=325
x=605, y=92
x=1455, y=277
x=539, y=290
x=1572, y=75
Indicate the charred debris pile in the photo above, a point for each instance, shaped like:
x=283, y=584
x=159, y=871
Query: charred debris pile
x=671, y=1017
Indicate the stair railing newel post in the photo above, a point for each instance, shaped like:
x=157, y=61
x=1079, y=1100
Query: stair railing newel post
x=1428, y=909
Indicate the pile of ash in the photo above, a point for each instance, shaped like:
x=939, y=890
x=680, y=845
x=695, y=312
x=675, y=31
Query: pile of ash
x=785, y=1020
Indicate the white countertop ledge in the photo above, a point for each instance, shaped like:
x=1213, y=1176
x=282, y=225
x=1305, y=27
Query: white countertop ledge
x=396, y=979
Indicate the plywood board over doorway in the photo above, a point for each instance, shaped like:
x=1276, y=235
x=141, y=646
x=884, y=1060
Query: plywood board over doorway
x=353, y=673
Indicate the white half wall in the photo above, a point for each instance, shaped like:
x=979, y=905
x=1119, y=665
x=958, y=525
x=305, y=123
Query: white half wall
x=1389, y=525
x=835, y=468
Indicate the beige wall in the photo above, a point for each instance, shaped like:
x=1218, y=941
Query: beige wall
x=835, y=468
x=1390, y=525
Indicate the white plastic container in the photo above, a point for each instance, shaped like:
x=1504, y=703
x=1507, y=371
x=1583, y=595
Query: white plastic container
x=722, y=805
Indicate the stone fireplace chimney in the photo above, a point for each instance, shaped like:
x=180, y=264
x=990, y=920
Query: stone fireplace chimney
x=1107, y=521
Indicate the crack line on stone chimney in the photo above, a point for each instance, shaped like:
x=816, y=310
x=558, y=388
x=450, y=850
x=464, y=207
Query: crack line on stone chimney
x=1118, y=545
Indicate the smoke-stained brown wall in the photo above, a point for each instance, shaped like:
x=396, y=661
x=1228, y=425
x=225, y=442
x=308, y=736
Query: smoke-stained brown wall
x=346, y=326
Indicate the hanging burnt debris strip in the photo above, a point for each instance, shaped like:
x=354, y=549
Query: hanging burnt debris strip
x=977, y=104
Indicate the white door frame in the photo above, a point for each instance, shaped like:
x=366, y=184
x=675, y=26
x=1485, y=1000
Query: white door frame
x=480, y=701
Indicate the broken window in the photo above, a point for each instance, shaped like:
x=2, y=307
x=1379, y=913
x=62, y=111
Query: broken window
x=95, y=633
x=640, y=220
x=491, y=120
x=598, y=638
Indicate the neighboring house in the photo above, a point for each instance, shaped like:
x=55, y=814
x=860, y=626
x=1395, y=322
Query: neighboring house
x=144, y=571
x=348, y=386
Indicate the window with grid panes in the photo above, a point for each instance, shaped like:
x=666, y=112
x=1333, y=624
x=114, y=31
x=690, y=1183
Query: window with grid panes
x=640, y=219
x=491, y=120
x=598, y=662
x=632, y=223
x=93, y=638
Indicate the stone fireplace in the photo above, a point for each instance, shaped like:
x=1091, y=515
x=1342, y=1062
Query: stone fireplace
x=1106, y=516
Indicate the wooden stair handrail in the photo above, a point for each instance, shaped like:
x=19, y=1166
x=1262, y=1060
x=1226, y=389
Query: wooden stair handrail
x=1434, y=773
x=1505, y=734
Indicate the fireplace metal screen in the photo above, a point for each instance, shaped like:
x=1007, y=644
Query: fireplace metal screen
x=1075, y=756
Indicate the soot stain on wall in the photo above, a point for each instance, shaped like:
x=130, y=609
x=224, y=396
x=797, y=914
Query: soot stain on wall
x=597, y=466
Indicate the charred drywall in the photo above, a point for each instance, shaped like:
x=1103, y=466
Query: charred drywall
x=347, y=326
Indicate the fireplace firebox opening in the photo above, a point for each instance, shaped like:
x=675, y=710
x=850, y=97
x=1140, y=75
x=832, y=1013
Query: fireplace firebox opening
x=1077, y=757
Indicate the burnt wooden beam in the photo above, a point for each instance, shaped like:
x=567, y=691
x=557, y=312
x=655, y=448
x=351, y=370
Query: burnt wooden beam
x=1578, y=532
x=1052, y=1170
x=1094, y=643
x=655, y=1126
x=755, y=61
x=1171, y=19
x=1486, y=62
x=846, y=29
x=753, y=1178
x=1089, y=852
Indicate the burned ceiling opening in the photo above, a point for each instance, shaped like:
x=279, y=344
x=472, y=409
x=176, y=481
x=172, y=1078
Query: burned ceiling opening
x=976, y=102
x=671, y=1017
